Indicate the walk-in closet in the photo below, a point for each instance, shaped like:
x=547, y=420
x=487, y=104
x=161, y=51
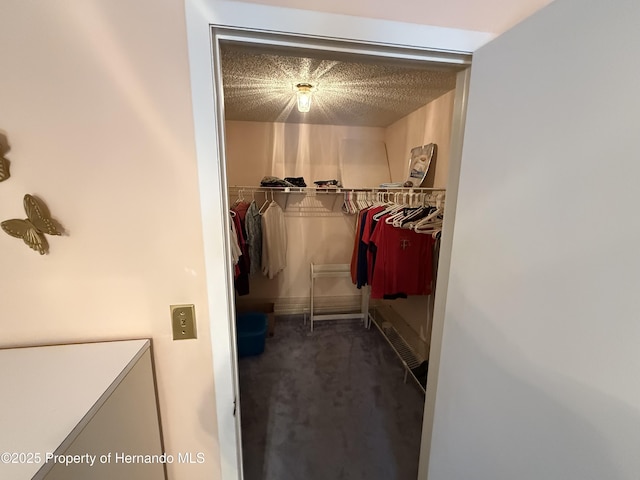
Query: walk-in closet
x=337, y=388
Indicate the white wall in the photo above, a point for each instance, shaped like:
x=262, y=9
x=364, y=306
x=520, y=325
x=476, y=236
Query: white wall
x=487, y=16
x=540, y=358
x=96, y=107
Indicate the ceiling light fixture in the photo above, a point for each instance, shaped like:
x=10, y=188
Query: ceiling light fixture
x=304, y=96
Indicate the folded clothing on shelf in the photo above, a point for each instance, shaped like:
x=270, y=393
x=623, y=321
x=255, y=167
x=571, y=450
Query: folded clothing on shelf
x=297, y=181
x=328, y=183
x=269, y=181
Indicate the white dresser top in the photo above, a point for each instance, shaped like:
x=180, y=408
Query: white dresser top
x=48, y=394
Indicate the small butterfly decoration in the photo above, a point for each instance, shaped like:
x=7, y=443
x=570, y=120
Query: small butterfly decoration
x=4, y=166
x=4, y=169
x=32, y=229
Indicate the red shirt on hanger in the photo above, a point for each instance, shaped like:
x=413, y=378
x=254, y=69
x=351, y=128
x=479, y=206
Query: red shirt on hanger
x=404, y=262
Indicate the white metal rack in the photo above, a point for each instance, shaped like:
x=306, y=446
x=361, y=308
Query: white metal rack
x=322, y=201
x=249, y=190
x=410, y=360
x=332, y=189
x=336, y=270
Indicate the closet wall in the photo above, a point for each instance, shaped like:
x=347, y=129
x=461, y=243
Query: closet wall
x=431, y=123
x=256, y=149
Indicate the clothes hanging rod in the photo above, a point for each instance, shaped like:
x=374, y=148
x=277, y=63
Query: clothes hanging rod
x=335, y=189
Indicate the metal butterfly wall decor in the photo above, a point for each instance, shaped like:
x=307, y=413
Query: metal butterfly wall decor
x=32, y=229
x=4, y=169
x=4, y=163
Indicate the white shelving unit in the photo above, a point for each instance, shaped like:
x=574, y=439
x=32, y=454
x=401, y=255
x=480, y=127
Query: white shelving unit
x=85, y=400
x=336, y=270
x=410, y=360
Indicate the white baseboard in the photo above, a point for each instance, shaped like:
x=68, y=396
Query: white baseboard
x=333, y=304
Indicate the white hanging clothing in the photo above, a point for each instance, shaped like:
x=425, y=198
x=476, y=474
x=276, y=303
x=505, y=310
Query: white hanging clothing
x=274, y=241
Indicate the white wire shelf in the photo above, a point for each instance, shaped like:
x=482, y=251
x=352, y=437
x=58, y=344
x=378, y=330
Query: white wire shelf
x=329, y=190
x=405, y=353
x=328, y=202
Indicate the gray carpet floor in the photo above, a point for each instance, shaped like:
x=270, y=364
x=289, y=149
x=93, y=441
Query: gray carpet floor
x=331, y=405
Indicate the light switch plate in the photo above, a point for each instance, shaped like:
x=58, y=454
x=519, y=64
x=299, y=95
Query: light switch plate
x=183, y=321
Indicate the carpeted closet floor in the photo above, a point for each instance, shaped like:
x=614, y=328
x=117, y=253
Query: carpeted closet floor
x=328, y=405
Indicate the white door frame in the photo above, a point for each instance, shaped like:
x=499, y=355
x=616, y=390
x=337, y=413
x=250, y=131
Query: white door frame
x=208, y=106
x=444, y=263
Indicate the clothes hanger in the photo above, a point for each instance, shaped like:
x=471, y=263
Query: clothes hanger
x=240, y=198
x=350, y=204
x=370, y=198
x=424, y=212
x=359, y=202
x=415, y=212
x=433, y=215
x=400, y=216
x=391, y=209
x=364, y=200
x=353, y=204
x=432, y=229
x=429, y=222
x=433, y=220
x=266, y=203
x=345, y=203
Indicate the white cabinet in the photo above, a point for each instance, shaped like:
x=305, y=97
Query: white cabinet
x=80, y=411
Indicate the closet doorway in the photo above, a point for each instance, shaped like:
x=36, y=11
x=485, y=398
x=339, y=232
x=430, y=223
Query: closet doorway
x=260, y=133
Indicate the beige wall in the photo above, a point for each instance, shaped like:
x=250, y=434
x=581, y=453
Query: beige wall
x=255, y=149
x=429, y=124
x=96, y=107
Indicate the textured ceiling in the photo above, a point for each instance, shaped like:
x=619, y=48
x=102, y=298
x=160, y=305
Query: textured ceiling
x=259, y=85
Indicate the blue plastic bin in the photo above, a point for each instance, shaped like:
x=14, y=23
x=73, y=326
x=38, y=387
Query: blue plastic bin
x=251, y=331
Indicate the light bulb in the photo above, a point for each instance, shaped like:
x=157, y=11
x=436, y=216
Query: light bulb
x=304, y=97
